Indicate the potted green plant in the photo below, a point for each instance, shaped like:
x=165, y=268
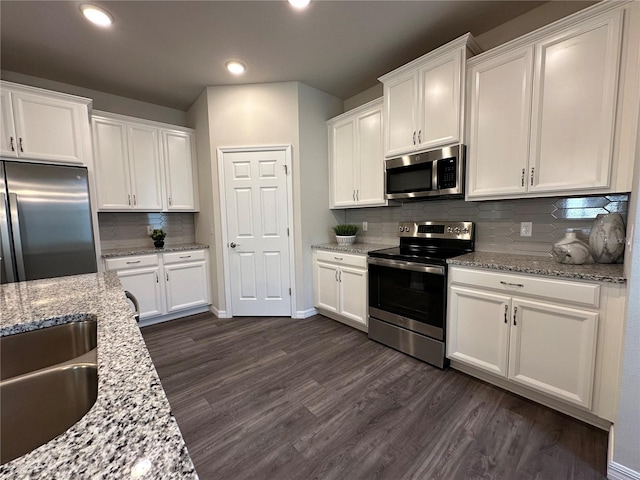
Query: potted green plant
x=345, y=234
x=158, y=237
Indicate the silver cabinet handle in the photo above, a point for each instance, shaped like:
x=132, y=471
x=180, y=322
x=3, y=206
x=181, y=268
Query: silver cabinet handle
x=336, y=275
x=135, y=201
x=167, y=276
x=129, y=199
x=357, y=195
x=132, y=263
x=21, y=149
x=512, y=284
x=414, y=137
x=340, y=276
x=522, y=178
x=506, y=309
x=419, y=136
x=17, y=237
x=339, y=258
x=13, y=149
x=532, y=176
x=354, y=195
x=169, y=201
x=515, y=311
x=186, y=256
x=157, y=281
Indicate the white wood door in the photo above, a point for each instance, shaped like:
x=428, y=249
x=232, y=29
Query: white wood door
x=343, y=164
x=500, y=111
x=144, y=167
x=439, y=101
x=370, y=164
x=400, y=100
x=327, y=288
x=553, y=350
x=49, y=128
x=111, y=159
x=353, y=294
x=179, y=170
x=574, y=98
x=257, y=231
x=187, y=285
x=8, y=139
x=478, y=329
x=144, y=284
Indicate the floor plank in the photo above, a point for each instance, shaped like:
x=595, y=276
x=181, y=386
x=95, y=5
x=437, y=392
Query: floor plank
x=277, y=398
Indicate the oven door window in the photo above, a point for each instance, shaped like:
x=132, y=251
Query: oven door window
x=410, y=179
x=415, y=295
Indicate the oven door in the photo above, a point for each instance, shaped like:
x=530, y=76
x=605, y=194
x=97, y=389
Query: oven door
x=409, y=295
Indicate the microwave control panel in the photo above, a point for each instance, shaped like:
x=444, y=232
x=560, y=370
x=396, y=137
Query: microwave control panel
x=447, y=173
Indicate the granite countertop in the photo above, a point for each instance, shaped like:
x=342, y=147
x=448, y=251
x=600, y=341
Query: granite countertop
x=123, y=252
x=600, y=272
x=361, y=248
x=131, y=425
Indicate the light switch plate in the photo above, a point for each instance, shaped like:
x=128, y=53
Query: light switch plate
x=526, y=229
x=149, y=229
x=365, y=226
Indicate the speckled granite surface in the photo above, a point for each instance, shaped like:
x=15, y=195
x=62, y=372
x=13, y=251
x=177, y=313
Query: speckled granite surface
x=362, y=248
x=131, y=424
x=123, y=252
x=541, y=266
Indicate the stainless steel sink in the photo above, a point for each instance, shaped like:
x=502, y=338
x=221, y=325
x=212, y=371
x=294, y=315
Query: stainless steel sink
x=30, y=351
x=49, y=382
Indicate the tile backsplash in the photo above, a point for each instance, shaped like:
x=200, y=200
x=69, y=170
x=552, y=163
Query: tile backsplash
x=497, y=222
x=129, y=229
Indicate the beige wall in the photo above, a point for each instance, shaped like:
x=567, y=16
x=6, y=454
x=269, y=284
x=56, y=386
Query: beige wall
x=104, y=101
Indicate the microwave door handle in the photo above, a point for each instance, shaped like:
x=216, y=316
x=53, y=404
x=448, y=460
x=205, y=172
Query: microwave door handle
x=434, y=176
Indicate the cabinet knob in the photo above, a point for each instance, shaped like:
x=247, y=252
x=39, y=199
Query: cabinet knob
x=414, y=137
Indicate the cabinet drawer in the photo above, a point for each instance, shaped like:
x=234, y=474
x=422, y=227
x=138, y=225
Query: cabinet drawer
x=341, y=258
x=184, y=256
x=136, y=261
x=565, y=291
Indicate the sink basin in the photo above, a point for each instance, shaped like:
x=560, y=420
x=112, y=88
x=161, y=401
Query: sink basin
x=31, y=351
x=39, y=406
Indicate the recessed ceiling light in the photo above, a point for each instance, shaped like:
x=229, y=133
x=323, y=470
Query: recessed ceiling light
x=96, y=15
x=299, y=3
x=235, y=67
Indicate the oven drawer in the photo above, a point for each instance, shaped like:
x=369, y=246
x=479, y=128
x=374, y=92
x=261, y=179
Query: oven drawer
x=340, y=258
x=557, y=289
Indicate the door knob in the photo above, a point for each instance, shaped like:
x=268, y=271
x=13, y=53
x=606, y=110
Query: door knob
x=233, y=244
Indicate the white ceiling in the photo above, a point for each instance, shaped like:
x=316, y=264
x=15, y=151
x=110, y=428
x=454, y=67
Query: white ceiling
x=166, y=52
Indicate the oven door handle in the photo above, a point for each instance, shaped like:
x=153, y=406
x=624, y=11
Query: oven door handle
x=402, y=265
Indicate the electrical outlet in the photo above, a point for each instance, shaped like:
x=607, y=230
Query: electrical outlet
x=149, y=229
x=526, y=228
x=365, y=226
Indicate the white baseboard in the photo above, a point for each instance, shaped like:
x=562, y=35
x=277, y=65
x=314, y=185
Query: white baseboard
x=305, y=313
x=219, y=313
x=172, y=316
x=615, y=471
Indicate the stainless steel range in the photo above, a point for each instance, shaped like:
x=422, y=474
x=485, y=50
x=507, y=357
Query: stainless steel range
x=408, y=287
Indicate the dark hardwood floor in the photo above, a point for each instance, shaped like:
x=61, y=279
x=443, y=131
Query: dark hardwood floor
x=276, y=398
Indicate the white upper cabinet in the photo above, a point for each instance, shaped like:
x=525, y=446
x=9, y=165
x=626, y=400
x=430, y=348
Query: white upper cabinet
x=356, y=162
x=42, y=125
x=552, y=112
x=142, y=165
x=423, y=100
x=178, y=163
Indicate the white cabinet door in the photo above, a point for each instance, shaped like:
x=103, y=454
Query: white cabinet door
x=370, y=165
x=179, y=168
x=574, y=97
x=500, y=113
x=401, y=99
x=144, y=284
x=8, y=139
x=478, y=329
x=187, y=285
x=49, y=128
x=327, y=288
x=439, y=103
x=553, y=350
x=353, y=294
x=144, y=167
x=343, y=158
x=112, y=164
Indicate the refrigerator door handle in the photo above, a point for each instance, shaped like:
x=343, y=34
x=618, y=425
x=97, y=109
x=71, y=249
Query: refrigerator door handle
x=17, y=240
x=7, y=257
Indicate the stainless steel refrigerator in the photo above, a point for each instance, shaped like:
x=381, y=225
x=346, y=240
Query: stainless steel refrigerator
x=45, y=222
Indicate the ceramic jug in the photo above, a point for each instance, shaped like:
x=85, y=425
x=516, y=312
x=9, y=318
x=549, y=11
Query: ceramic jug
x=571, y=250
x=607, y=238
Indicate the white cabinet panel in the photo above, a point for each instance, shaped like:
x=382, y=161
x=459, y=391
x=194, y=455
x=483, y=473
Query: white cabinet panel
x=144, y=165
x=353, y=294
x=144, y=284
x=111, y=164
x=401, y=98
x=343, y=162
x=187, y=285
x=8, y=140
x=370, y=168
x=553, y=350
x=180, y=168
x=327, y=289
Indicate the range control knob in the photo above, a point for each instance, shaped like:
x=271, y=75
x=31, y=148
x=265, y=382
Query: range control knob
x=465, y=230
x=449, y=229
x=457, y=230
x=401, y=228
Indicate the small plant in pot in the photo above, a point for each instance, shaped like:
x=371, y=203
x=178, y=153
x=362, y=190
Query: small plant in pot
x=158, y=237
x=345, y=234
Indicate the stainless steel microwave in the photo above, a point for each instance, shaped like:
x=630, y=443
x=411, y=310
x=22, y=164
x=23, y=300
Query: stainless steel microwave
x=428, y=174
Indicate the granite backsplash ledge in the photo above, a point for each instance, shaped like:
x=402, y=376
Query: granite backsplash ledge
x=497, y=222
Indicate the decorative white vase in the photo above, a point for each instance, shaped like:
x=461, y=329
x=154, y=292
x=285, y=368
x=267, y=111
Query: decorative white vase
x=607, y=238
x=345, y=240
x=571, y=250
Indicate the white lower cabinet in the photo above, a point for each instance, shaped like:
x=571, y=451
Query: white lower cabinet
x=536, y=335
x=340, y=287
x=166, y=285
